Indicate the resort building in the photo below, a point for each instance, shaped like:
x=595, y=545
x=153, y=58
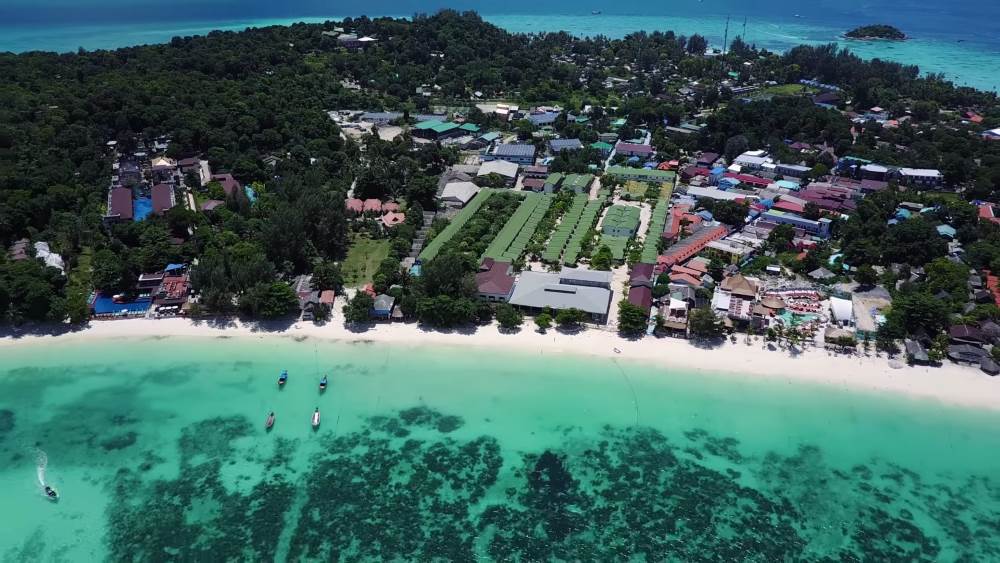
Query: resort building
x=437, y=130
x=621, y=221
x=572, y=288
x=579, y=183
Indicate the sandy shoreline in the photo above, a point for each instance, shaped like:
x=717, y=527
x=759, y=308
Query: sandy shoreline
x=949, y=384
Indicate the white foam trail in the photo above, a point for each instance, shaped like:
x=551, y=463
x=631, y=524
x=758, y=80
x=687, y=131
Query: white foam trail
x=41, y=460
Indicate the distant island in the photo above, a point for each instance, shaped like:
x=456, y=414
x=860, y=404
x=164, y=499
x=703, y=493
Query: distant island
x=876, y=32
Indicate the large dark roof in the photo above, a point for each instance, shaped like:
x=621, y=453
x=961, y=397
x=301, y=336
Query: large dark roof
x=163, y=198
x=514, y=150
x=121, y=203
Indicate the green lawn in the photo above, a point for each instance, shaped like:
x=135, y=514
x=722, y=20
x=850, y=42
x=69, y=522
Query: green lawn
x=363, y=259
x=788, y=90
x=79, y=277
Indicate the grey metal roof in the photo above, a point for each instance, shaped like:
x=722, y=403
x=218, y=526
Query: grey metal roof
x=384, y=302
x=514, y=150
x=380, y=115
x=565, y=144
x=592, y=276
x=542, y=289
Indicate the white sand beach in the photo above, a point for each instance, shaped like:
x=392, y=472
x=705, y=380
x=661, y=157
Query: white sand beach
x=950, y=384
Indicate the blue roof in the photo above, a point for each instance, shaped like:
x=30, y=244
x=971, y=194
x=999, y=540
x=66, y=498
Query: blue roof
x=543, y=118
x=718, y=170
x=903, y=214
x=946, y=230
x=172, y=267
x=251, y=195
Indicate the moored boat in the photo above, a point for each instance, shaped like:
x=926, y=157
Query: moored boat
x=315, y=419
x=322, y=384
x=51, y=493
x=283, y=378
x=269, y=422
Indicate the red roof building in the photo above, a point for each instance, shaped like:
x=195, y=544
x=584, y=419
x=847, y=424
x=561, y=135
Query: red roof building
x=641, y=296
x=785, y=205
x=373, y=205
x=495, y=280
x=390, y=207
x=988, y=213
x=229, y=184
x=393, y=219
x=163, y=198
x=354, y=205
x=749, y=179
x=120, y=204
x=688, y=247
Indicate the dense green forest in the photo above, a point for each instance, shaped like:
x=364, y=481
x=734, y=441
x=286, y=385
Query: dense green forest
x=236, y=98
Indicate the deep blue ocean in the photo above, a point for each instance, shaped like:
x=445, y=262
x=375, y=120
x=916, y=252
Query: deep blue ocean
x=960, y=38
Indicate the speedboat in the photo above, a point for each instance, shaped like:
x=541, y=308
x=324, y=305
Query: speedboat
x=315, y=420
x=283, y=378
x=269, y=422
x=322, y=384
x=51, y=493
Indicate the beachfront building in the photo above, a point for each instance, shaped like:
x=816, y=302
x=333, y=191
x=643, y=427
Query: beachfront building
x=572, y=288
x=495, y=281
x=522, y=154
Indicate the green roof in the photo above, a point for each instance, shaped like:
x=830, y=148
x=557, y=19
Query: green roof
x=555, y=178
x=577, y=181
x=436, y=126
x=621, y=217
x=618, y=122
x=470, y=127
x=599, y=145
x=660, y=175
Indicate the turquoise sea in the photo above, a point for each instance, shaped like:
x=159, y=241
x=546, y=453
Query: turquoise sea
x=159, y=451
x=960, y=40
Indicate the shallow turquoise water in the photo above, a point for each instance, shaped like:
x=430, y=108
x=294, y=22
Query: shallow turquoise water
x=158, y=449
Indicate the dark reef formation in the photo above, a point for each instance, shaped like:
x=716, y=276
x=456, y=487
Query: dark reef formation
x=417, y=487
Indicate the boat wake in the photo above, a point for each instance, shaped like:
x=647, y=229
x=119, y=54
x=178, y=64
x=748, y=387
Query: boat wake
x=41, y=462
